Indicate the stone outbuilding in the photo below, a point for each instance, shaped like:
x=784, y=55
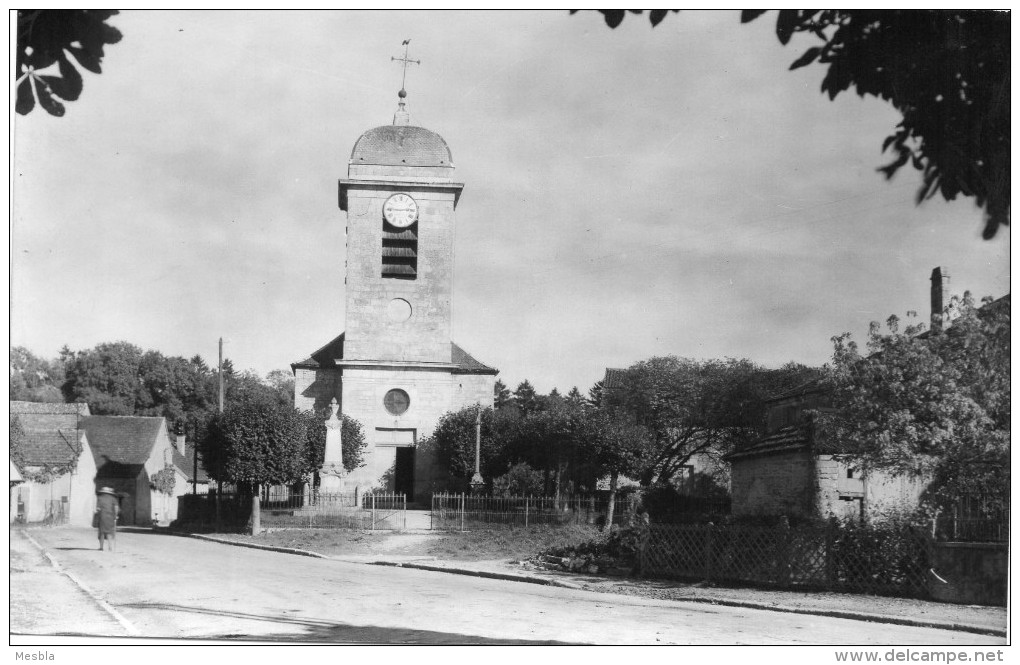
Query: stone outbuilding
x=57, y=466
x=395, y=368
x=787, y=472
x=134, y=457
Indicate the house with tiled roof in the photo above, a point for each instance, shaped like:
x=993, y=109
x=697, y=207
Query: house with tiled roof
x=187, y=460
x=134, y=456
x=55, y=463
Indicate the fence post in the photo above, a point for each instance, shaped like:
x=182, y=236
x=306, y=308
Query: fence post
x=709, y=537
x=462, y=511
x=785, y=564
x=526, y=501
x=643, y=541
x=256, y=516
x=830, y=553
x=405, y=511
x=373, y=511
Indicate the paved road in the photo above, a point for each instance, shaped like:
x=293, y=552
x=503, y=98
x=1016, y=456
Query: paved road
x=169, y=586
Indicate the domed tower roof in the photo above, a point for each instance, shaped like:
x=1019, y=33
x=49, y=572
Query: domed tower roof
x=401, y=145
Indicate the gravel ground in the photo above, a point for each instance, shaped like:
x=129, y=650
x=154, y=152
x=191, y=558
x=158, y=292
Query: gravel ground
x=45, y=602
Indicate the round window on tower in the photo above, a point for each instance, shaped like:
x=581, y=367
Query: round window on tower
x=396, y=401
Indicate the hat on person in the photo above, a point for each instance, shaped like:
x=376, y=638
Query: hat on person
x=107, y=490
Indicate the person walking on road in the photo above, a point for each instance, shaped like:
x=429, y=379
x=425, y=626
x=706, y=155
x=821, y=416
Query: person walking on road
x=107, y=512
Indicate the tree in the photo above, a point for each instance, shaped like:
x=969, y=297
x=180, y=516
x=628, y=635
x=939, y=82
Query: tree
x=352, y=438
x=501, y=395
x=575, y=397
x=256, y=441
x=932, y=406
x=946, y=72
x=282, y=381
x=34, y=379
x=697, y=407
x=452, y=443
x=525, y=397
x=47, y=37
x=106, y=377
x=616, y=446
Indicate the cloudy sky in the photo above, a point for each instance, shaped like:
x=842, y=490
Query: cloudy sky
x=629, y=193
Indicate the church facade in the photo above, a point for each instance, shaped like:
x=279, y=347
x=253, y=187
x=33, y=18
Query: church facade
x=395, y=368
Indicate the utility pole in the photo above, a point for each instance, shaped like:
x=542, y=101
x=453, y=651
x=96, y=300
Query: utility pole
x=219, y=463
x=219, y=371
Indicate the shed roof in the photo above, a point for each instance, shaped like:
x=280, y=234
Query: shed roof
x=186, y=463
x=52, y=438
x=77, y=408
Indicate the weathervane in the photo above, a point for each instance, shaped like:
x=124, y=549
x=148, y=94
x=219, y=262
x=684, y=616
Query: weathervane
x=406, y=61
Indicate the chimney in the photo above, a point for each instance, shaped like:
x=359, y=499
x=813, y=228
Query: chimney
x=179, y=438
x=938, y=304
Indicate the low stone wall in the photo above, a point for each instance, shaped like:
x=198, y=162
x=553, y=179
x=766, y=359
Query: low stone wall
x=970, y=573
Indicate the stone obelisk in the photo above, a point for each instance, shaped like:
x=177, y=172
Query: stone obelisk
x=331, y=475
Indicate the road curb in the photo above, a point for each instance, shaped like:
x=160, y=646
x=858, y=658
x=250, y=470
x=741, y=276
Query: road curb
x=253, y=546
x=103, y=605
x=478, y=573
x=510, y=577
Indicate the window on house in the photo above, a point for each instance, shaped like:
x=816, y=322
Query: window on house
x=400, y=251
x=849, y=473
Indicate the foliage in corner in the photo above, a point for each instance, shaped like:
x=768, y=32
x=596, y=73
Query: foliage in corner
x=66, y=38
x=947, y=72
x=933, y=406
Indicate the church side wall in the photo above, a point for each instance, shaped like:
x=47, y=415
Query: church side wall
x=432, y=394
x=314, y=388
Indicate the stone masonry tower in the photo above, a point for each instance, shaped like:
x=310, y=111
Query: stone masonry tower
x=395, y=368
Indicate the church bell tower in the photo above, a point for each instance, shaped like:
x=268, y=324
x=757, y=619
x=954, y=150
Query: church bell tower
x=400, y=198
x=395, y=369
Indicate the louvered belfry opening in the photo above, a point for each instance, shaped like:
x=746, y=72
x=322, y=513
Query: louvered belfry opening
x=400, y=251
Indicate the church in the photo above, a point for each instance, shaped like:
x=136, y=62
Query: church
x=394, y=368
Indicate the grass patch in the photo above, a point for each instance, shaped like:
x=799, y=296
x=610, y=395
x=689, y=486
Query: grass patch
x=478, y=545
x=517, y=543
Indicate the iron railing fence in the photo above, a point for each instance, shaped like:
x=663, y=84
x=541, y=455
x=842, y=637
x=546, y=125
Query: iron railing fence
x=304, y=509
x=983, y=530
x=887, y=561
x=472, y=511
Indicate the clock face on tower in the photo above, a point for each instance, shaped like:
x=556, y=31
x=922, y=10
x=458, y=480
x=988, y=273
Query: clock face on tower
x=400, y=210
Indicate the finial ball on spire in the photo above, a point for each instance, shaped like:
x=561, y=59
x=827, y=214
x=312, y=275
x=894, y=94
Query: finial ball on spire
x=402, y=93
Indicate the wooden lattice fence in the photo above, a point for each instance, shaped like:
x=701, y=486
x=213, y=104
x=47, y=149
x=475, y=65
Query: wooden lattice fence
x=892, y=561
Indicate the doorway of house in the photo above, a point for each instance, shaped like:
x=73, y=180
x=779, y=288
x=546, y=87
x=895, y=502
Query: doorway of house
x=403, y=476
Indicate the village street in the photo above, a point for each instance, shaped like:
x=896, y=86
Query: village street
x=175, y=587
